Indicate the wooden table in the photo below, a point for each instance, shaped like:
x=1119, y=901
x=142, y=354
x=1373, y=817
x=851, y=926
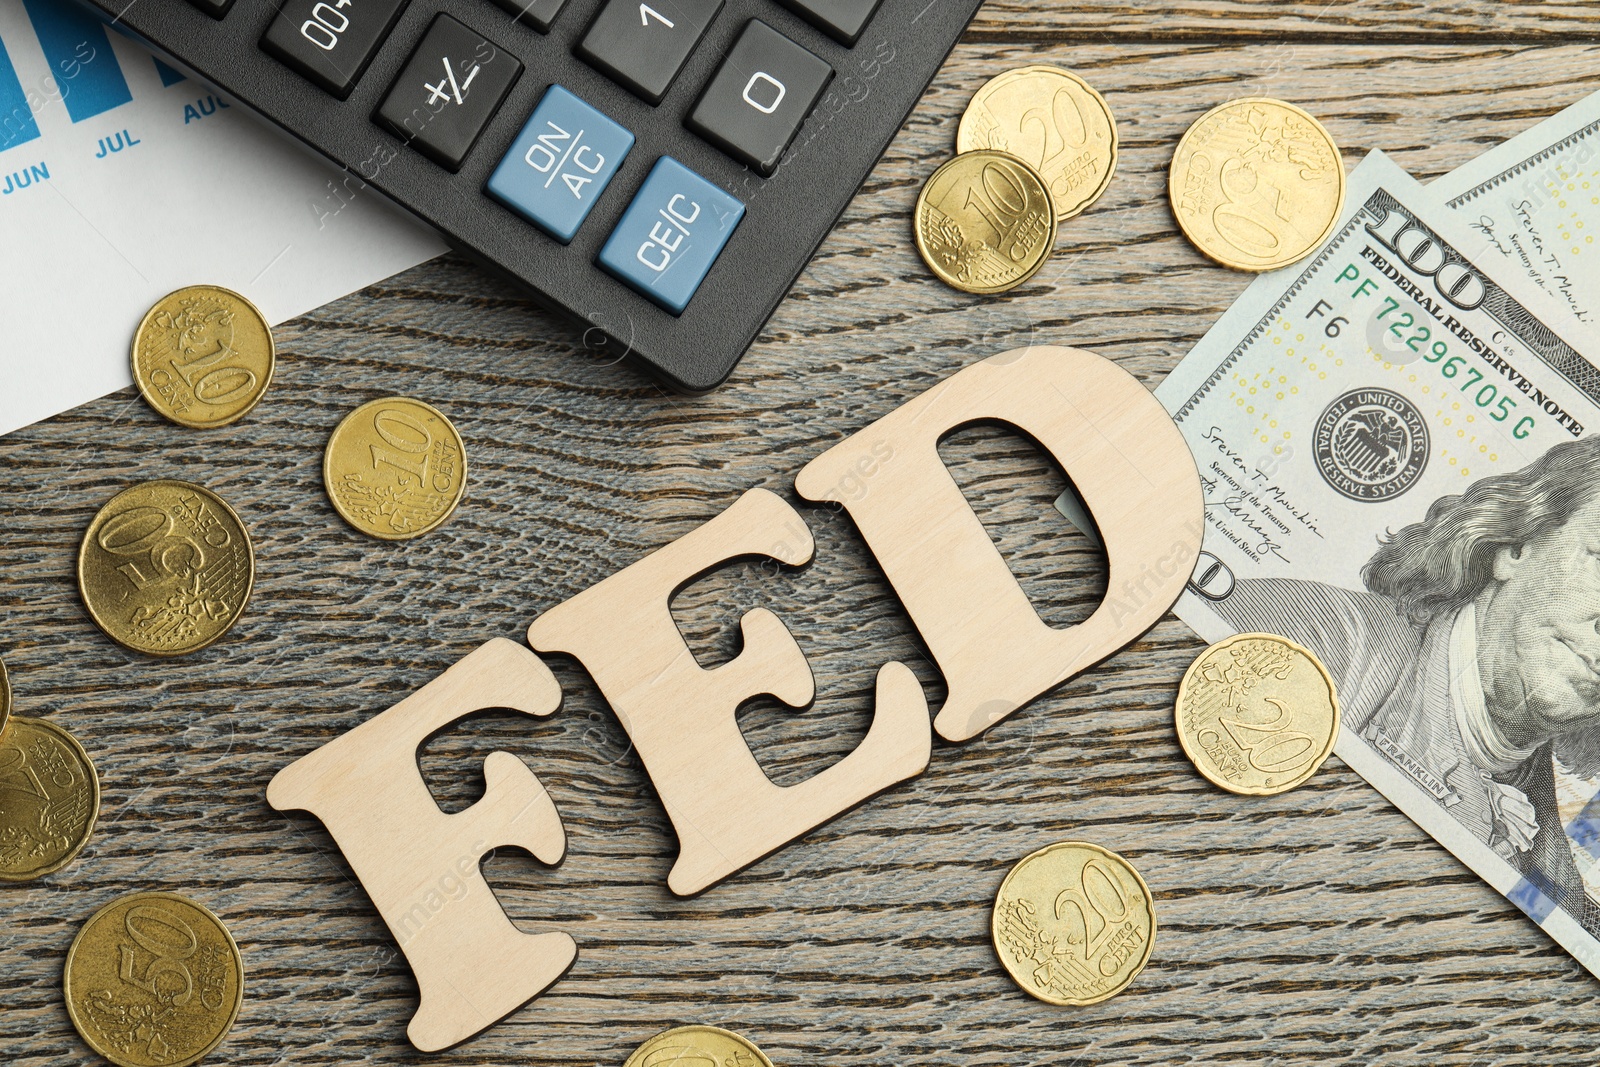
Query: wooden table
x=1321, y=926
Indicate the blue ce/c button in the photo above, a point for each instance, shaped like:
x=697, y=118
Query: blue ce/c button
x=560, y=164
x=671, y=234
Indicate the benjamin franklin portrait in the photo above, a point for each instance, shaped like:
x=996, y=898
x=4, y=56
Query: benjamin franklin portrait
x=1471, y=660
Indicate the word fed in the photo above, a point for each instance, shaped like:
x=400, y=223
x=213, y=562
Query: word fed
x=473, y=967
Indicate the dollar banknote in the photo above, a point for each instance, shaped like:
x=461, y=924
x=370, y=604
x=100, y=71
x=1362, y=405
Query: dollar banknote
x=1533, y=206
x=1395, y=439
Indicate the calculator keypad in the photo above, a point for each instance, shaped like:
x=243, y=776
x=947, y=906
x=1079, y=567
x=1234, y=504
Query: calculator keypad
x=330, y=42
x=759, y=97
x=450, y=111
x=671, y=233
x=641, y=46
x=447, y=91
x=560, y=163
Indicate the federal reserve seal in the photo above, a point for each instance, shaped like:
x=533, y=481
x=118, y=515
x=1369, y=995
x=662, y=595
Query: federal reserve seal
x=1371, y=444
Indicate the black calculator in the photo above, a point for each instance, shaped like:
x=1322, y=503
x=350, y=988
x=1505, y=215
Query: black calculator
x=659, y=171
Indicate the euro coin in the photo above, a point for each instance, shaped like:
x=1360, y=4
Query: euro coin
x=166, y=568
x=1073, y=924
x=395, y=468
x=203, y=356
x=49, y=799
x=5, y=698
x=985, y=222
x=1256, y=184
x=697, y=1046
x=153, y=980
x=1257, y=714
x=1052, y=120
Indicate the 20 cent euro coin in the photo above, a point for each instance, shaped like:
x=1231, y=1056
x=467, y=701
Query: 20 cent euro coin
x=153, y=980
x=166, y=568
x=1053, y=120
x=203, y=356
x=1256, y=184
x=985, y=222
x=395, y=468
x=1073, y=923
x=51, y=799
x=1257, y=714
x=697, y=1046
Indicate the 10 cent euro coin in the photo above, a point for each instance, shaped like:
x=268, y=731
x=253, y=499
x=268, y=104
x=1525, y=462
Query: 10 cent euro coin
x=153, y=980
x=1073, y=923
x=1052, y=120
x=395, y=468
x=51, y=799
x=697, y=1046
x=985, y=222
x=1256, y=184
x=1257, y=714
x=203, y=356
x=166, y=568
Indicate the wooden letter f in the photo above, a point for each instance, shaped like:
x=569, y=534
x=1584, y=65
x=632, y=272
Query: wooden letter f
x=420, y=865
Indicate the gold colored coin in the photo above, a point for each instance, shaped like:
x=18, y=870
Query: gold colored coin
x=166, y=568
x=1257, y=714
x=153, y=980
x=1054, y=121
x=5, y=698
x=985, y=222
x=49, y=799
x=395, y=468
x=697, y=1046
x=203, y=356
x=1256, y=184
x=1073, y=923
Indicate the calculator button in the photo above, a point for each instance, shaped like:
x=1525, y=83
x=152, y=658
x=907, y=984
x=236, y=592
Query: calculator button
x=448, y=90
x=215, y=8
x=671, y=234
x=642, y=45
x=842, y=19
x=560, y=163
x=759, y=97
x=330, y=42
x=536, y=13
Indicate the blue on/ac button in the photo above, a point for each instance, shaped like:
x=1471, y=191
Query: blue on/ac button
x=671, y=234
x=560, y=163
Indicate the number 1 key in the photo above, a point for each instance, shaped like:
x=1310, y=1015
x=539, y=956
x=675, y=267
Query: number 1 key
x=642, y=45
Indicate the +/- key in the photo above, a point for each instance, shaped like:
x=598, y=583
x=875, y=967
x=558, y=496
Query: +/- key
x=448, y=91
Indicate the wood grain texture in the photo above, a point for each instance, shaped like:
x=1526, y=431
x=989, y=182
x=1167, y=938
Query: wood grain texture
x=1410, y=21
x=1316, y=927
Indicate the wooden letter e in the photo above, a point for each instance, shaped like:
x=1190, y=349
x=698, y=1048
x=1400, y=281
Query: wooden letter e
x=420, y=865
x=681, y=717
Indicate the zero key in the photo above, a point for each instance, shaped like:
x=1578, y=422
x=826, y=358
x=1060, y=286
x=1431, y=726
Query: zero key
x=641, y=46
x=758, y=98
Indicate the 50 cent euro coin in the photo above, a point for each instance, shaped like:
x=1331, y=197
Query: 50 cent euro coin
x=166, y=568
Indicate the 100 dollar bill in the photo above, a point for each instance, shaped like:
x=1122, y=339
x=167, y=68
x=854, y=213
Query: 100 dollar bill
x=1399, y=475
